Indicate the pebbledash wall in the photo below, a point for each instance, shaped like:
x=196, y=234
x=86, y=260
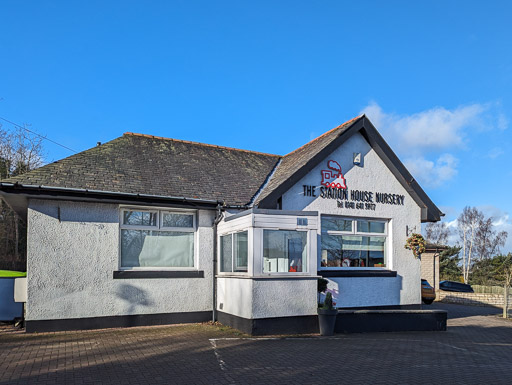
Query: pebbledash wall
x=70, y=276
x=374, y=176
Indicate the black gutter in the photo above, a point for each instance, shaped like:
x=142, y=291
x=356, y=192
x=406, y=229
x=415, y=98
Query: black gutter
x=16, y=188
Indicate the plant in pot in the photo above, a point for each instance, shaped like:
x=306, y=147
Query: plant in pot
x=327, y=315
x=322, y=287
x=417, y=244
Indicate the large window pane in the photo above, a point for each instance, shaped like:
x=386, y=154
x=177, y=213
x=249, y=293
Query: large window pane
x=139, y=218
x=371, y=227
x=177, y=220
x=157, y=249
x=226, y=253
x=331, y=251
x=352, y=251
x=335, y=224
x=132, y=242
x=241, y=251
x=376, y=250
x=233, y=252
x=284, y=251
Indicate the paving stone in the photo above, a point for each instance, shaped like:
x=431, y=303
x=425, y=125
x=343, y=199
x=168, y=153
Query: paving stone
x=477, y=348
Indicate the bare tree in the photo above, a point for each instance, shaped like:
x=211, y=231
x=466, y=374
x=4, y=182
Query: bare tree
x=488, y=241
x=478, y=238
x=19, y=153
x=437, y=233
x=468, y=223
x=503, y=272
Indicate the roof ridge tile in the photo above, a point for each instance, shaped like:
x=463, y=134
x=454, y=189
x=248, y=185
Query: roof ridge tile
x=199, y=143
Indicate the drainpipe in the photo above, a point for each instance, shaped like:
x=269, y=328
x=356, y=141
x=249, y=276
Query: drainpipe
x=218, y=218
x=434, y=267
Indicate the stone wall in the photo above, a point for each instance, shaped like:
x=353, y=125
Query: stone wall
x=430, y=268
x=473, y=299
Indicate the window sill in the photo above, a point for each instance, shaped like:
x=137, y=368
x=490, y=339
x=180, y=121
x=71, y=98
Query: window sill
x=269, y=277
x=129, y=274
x=377, y=272
x=227, y=274
x=284, y=276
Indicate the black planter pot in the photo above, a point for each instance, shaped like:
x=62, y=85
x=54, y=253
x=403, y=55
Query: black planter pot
x=326, y=321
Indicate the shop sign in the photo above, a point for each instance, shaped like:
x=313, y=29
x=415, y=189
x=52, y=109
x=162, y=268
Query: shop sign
x=334, y=186
x=333, y=177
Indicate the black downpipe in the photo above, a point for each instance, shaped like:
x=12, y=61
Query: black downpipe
x=218, y=218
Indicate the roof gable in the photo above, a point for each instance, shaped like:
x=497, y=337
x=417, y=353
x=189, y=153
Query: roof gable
x=298, y=163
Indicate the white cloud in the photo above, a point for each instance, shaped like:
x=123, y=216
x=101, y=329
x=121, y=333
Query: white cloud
x=501, y=221
x=452, y=224
x=502, y=122
x=495, y=152
x=499, y=217
x=420, y=137
x=432, y=173
x=434, y=129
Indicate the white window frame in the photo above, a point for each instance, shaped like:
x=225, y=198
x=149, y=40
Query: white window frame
x=219, y=253
x=354, y=231
x=305, y=266
x=182, y=229
x=158, y=227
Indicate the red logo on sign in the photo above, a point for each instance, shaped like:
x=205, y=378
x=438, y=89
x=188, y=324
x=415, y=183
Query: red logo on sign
x=333, y=177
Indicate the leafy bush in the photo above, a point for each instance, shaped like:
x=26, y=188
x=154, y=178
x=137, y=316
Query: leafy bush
x=328, y=301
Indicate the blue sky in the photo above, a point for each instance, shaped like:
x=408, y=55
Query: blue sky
x=435, y=78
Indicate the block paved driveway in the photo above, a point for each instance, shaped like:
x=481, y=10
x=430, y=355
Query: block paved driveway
x=476, y=349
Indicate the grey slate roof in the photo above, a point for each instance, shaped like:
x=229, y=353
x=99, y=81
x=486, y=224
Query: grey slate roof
x=142, y=164
x=295, y=160
x=432, y=247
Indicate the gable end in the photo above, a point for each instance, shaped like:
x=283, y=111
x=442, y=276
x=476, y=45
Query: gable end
x=429, y=211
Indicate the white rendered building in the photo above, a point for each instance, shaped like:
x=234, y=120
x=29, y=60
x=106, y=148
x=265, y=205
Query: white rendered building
x=146, y=230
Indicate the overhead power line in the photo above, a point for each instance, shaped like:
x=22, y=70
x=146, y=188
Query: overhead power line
x=41, y=136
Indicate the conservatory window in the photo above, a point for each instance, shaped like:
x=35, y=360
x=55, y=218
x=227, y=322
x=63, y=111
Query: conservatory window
x=284, y=251
x=234, y=252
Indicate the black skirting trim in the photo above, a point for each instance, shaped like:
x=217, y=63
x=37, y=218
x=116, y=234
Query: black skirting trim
x=357, y=273
x=365, y=321
x=129, y=274
x=116, y=321
x=385, y=319
x=386, y=307
x=271, y=326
